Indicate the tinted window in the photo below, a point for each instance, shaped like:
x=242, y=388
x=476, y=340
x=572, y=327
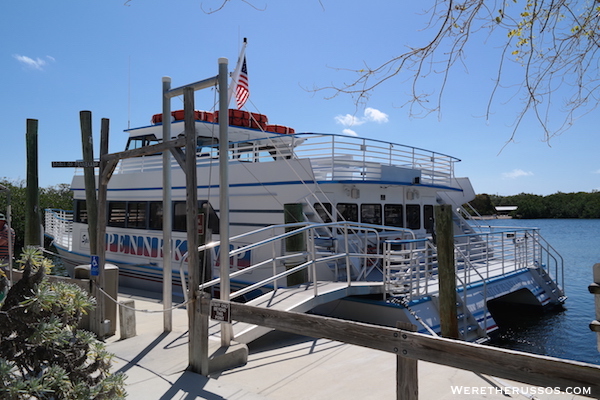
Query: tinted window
x=347, y=212
x=324, y=211
x=117, y=214
x=156, y=215
x=136, y=214
x=413, y=216
x=81, y=214
x=393, y=215
x=370, y=214
x=428, y=218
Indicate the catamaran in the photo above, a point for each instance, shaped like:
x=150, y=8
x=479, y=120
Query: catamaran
x=363, y=210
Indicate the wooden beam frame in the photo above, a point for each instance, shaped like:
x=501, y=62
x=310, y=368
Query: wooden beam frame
x=541, y=371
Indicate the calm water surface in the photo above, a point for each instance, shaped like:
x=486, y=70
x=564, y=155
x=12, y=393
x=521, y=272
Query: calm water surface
x=565, y=333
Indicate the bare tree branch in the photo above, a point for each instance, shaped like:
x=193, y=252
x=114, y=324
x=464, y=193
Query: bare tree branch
x=554, y=41
x=224, y=2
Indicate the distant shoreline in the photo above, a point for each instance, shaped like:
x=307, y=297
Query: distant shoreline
x=483, y=217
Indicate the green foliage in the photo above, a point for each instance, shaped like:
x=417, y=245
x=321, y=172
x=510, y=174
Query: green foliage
x=59, y=196
x=558, y=205
x=43, y=354
x=483, y=204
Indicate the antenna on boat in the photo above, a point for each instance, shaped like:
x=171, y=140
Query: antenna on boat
x=129, y=94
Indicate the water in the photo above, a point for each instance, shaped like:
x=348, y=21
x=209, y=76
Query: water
x=563, y=334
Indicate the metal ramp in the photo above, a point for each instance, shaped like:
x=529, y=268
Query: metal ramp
x=299, y=299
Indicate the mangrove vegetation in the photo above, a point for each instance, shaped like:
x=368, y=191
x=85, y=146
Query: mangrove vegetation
x=532, y=206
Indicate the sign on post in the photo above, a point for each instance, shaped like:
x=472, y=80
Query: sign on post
x=95, y=266
x=220, y=311
x=75, y=164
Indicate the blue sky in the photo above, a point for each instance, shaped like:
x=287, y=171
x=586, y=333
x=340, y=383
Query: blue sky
x=61, y=57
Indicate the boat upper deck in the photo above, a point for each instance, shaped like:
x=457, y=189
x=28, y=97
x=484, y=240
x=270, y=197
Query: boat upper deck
x=333, y=157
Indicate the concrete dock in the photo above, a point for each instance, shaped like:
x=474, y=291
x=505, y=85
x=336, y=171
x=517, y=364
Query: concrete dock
x=284, y=366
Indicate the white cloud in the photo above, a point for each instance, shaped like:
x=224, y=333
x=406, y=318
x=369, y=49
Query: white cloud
x=596, y=172
x=516, y=173
x=374, y=115
x=38, y=63
x=349, y=132
x=370, y=115
x=348, y=120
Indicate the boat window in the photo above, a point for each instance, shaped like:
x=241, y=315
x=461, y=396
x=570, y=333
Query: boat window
x=347, y=212
x=156, y=215
x=117, y=213
x=370, y=214
x=213, y=219
x=428, y=218
x=392, y=215
x=413, y=216
x=141, y=141
x=136, y=214
x=324, y=211
x=207, y=147
x=81, y=214
x=179, y=216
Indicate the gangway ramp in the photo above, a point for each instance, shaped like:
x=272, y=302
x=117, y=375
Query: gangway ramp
x=298, y=299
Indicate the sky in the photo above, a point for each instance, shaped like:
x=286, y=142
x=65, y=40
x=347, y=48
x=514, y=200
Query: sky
x=61, y=57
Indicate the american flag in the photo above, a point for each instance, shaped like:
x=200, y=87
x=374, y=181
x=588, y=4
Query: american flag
x=242, y=92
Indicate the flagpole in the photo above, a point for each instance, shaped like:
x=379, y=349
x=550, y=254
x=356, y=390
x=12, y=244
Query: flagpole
x=236, y=73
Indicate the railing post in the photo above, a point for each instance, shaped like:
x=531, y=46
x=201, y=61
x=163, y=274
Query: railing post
x=407, y=373
x=594, y=288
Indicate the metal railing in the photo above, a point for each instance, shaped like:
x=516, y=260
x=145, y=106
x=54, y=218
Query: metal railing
x=411, y=265
x=59, y=226
x=338, y=157
x=355, y=248
x=334, y=157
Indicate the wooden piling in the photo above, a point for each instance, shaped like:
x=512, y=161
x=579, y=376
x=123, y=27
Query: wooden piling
x=446, y=270
x=195, y=358
x=87, y=144
x=594, y=288
x=33, y=235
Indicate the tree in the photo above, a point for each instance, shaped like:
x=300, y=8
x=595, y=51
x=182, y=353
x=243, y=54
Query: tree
x=59, y=196
x=483, y=204
x=555, y=43
x=43, y=355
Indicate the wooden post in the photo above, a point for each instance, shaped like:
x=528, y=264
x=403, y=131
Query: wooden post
x=225, y=283
x=32, y=211
x=101, y=306
x=294, y=244
x=407, y=373
x=446, y=270
x=96, y=318
x=594, y=288
x=89, y=179
x=195, y=360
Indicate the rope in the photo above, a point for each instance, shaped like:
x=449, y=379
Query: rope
x=120, y=304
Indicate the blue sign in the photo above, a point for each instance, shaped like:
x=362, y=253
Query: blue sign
x=95, y=270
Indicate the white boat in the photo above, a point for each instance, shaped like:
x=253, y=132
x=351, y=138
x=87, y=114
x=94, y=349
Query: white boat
x=367, y=210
